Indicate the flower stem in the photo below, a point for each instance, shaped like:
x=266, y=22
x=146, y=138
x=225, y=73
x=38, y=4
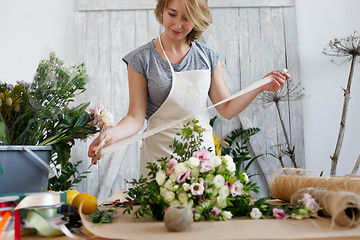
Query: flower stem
x=54, y=139
x=291, y=151
x=335, y=157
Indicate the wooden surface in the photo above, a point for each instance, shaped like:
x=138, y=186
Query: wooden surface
x=252, y=37
x=89, y=235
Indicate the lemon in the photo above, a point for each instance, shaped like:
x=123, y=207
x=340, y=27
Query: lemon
x=89, y=205
x=70, y=194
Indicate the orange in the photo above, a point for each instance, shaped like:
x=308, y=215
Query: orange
x=89, y=205
x=70, y=194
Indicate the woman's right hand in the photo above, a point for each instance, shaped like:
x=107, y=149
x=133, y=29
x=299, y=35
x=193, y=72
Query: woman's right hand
x=105, y=138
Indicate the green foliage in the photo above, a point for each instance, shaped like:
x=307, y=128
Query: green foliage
x=104, y=216
x=38, y=114
x=67, y=176
x=147, y=194
x=238, y=147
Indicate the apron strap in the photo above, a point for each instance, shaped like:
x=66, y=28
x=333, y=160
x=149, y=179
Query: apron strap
x=172, y=69
x=202, y=55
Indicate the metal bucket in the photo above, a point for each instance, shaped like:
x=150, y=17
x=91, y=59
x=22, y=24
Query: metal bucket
x=24, y=168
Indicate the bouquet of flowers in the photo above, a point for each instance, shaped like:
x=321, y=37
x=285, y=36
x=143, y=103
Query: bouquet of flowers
x=192, y=177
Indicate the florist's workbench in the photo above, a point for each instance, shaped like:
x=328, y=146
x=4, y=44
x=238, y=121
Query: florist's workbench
x=233, y=229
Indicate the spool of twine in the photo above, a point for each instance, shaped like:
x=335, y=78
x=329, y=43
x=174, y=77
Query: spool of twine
x=178, y=218
x=285, y=182
x=342, y=206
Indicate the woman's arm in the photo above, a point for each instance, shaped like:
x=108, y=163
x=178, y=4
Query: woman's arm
x=219, y=92
x=133, y=121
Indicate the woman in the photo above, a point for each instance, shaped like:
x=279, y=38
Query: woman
x=171, y=77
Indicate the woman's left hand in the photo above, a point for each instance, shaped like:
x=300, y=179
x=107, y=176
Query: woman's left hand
x=279, y=79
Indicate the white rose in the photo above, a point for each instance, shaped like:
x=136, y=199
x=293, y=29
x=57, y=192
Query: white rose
x=195, y=172
x=255, y=213
x=183, y=197
x=246, y=177
x=180, y=167
x=160, y=178
x=194, y=162
x=186, y=187
x=163, y=191
x=216, y=160
x=221, y=201
x=169, y=196
x=169, y=185
x=226, y=214
x=172, y=177
x=175, y=203
x=219, y=181
x=224, y=191
x=226, y=159
x=231, y=167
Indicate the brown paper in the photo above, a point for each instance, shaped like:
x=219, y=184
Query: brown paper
x=126, y=227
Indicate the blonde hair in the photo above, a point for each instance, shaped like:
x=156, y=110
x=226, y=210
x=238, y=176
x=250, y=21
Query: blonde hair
x=197, y=12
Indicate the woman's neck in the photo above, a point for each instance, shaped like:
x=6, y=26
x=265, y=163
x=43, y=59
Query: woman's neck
x=169, y=45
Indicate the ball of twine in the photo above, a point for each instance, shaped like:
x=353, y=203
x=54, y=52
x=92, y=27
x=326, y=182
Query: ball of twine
x=284, y=186
x=178, y=218
x=343, y=207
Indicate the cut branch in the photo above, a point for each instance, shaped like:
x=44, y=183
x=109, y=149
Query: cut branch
x=356, y=167
x=335, y=157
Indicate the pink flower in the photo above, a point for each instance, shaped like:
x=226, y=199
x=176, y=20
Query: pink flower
x=197, y=189
x=236, y=189
x=171, y=164
x=103, y=119
x=182, y=176
x=206, y=166
x=202, y=155
x=215, y=211
x=310, y=203
x=279, y=213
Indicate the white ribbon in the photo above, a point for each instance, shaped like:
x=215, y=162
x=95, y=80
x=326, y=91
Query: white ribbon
x=114, y=147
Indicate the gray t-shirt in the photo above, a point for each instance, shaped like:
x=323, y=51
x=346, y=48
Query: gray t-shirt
x=156, y=70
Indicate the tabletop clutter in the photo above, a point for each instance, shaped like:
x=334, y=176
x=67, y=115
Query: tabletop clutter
x=47, y=214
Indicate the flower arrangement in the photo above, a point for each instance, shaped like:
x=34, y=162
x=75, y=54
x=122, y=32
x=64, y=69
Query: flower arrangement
x=211, y=185
x=39, y=114
x=192, y=177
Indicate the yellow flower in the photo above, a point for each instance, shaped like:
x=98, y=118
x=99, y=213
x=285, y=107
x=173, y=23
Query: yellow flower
x=218, y=144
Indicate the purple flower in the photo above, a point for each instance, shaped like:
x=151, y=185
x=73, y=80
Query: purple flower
x=9, y=87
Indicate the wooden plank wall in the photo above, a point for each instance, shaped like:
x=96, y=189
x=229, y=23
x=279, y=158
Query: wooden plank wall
x=253, y=37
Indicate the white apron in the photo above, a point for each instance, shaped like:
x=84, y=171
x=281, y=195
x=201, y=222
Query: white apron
x=188, y=95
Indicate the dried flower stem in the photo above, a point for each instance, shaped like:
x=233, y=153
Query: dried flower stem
x=356, y=167
x=335, y=157
x=290, y=151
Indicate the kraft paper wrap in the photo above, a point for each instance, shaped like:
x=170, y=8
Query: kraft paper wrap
x=126, y=227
